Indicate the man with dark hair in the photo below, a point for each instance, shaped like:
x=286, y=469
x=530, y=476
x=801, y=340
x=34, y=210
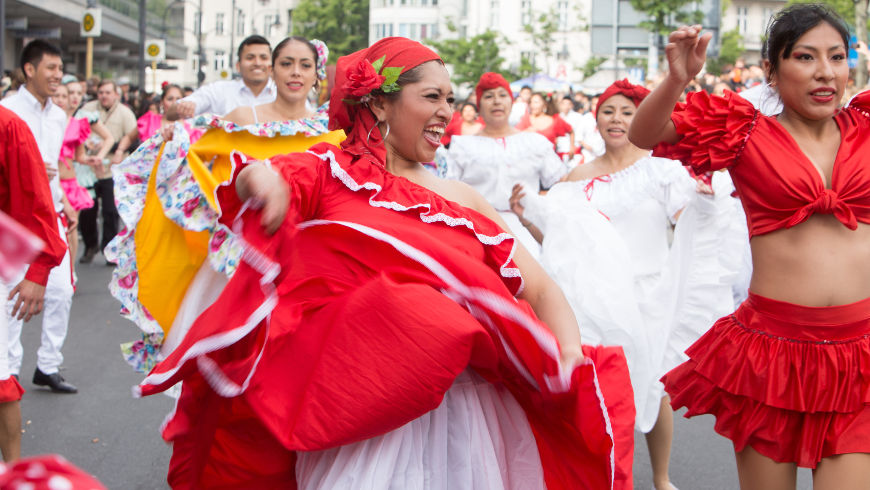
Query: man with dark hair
x=256, y=86
x=121, y=123
x=43, y=69
x=521, y=105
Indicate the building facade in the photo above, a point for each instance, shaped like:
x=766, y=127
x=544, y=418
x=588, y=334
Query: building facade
x=224, y=24
x=433, y=19
x=116, y=51
x=750, y=18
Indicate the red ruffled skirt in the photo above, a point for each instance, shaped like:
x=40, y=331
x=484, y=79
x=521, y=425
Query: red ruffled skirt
x=790, y=381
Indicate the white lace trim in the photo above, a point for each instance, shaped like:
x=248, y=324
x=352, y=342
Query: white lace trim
x=347, y=180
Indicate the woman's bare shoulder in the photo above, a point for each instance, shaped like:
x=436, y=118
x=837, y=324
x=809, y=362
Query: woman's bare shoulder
x=241, y=115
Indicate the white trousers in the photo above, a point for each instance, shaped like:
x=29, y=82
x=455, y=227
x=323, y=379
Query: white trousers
x=4, y=338
x=55, y=318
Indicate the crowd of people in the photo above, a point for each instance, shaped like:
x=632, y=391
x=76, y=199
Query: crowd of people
x=398, y=289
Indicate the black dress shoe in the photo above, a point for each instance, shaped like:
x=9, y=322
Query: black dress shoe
x=54, y=381
x=88, y=256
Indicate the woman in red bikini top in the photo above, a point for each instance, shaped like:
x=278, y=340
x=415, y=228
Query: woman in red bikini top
x=787, y=375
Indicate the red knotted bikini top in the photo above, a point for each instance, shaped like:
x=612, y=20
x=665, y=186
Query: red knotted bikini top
x=777, y=184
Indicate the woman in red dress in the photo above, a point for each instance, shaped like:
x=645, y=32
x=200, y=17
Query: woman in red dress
x=540, y=121
x=382, y=330
x=788, y=374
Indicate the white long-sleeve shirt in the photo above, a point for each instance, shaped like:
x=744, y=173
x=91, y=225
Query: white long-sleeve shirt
x=48, y=124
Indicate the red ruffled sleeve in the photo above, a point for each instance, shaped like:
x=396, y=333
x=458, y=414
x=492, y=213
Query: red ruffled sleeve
x=525, y=123
x=25, y=194
x=299, y=170
x=861, y=103
x=560, y=126
x=714, y=131
x=84, y=131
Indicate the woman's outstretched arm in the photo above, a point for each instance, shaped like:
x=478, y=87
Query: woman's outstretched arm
x=686, y=52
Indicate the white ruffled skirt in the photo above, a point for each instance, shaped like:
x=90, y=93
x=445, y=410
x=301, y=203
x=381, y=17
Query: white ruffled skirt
x=478, y=439
x=653, y=317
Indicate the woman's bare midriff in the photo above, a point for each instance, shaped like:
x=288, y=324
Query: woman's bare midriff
x=817, y=263
x=65, y=172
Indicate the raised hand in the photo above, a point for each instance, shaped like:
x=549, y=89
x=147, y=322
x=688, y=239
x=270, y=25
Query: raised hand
x=268, y=191
x=686, y=52
x=517, y=194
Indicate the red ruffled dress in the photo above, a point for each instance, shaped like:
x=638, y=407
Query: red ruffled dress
x=355, y=319
x=790, y=381
x=553, y=131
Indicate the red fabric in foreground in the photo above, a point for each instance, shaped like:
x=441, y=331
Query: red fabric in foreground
x=10, y=390
x=367, y=336
x=788, y=380
x=25, y=195
x=777, y=184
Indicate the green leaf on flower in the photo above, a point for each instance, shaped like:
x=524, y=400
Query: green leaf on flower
x=390, y=88
x=379, y=63
x=391, y=74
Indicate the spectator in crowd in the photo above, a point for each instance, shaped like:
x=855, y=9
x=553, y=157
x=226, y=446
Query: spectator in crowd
x=158, y=107
x=521, y=105
x=121, y=123
x=43, y=68
x=467, y=122
x=220, y=98
x=574, y=119
x=126, y=96
x=543, y=119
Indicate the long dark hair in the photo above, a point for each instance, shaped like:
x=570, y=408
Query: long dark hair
x=792, y=22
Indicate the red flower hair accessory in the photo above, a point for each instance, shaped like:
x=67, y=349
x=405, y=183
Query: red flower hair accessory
x=623, y=87
x=366, y=76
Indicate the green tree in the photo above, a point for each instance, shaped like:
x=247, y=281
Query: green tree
x=471, y=57
x=342, y=24
x=541, y=31
x=592, y=65
x=663, y=16
x=731, y=49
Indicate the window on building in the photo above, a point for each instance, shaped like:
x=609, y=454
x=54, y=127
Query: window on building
x=403, y=30
x=424, y=3
x=414, y=34
x=220, y=60
x=219, y=24
x=434, y=3
x=240, y=23
x=768, y=13
x=562, y=8
x=493, y=14
x=743, y=20
x=526, y=9
x=269, y=22
x=424, y=31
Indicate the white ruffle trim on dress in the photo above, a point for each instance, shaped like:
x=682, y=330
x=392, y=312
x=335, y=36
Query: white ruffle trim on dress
x=478, y=439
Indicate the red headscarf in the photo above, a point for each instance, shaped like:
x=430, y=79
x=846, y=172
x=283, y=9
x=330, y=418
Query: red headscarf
x=623, y=87
x=488, y=81
x=355, y=78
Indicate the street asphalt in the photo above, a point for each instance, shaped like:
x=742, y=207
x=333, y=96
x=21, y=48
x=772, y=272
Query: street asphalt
x=115, y=437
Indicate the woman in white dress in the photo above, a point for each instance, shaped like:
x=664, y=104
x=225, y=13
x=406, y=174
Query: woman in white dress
x=626, y=282
x=499, y=156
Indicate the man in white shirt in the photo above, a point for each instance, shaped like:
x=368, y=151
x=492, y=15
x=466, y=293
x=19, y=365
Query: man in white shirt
x=256, y=86
x=521, y=106
x=43, y=69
